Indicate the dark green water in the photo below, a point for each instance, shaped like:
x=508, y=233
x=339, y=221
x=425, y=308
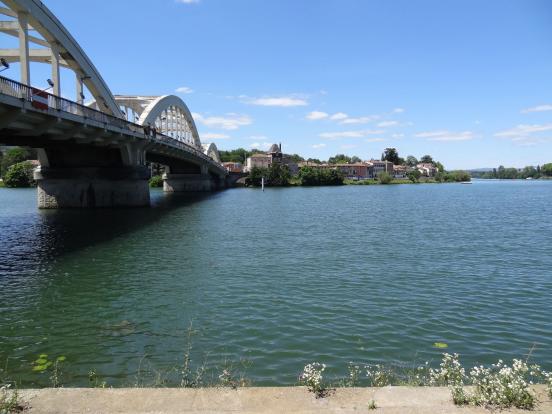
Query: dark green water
x=280, y=279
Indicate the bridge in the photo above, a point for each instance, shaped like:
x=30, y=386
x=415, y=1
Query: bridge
x=94, y=154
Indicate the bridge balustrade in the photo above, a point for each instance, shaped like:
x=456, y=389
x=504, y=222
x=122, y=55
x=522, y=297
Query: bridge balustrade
x=44, y=101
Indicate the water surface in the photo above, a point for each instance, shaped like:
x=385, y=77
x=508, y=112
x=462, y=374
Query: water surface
x=279, y=279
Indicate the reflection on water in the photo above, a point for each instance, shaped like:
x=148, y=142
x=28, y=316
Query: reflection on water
x=280, y=278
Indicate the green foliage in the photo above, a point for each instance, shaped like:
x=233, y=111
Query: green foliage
x=14, y=156
x=455, y=176
x=427, y=159
x=546, y=169
x=411, y=161
x=236, y=155
x=156, y=181
x=20, y=175
x=414, y=175
x=296, y=158
x=277, y=175
x=320, y=176
x=385, y=178
x=392, y=155
x=343, y=159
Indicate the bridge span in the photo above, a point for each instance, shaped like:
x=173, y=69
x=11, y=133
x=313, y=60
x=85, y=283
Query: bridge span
x=93, y=155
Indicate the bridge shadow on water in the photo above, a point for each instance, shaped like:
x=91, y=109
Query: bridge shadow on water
x=37, y=237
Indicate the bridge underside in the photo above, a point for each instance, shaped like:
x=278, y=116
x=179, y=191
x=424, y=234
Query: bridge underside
x=86, y=165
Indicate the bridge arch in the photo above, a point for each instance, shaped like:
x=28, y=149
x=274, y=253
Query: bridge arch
x=57, y=47
x=171, y=117
x=212, y=152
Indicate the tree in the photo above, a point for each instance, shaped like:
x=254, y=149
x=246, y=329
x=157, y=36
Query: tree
x=546, y=169
x=339, y=159
x=314, y=160
x=391, y=155
x=354, y=159
x=318, y=176
x=236, y=155
x=414, y=175
x=14, y=156
x=277, y=175
x=384, y=177
x=20, y=175
x=439, y=166
x=426, y=159
x=296, y=158
x=411, y=161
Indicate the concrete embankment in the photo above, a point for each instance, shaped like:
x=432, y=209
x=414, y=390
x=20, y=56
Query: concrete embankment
x=403, y=400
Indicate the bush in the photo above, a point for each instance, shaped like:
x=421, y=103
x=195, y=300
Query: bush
x=277, y=175
x=317, y=176
x=20, y=175
x=384, y=178
x=14, y=156
x=456, y=176
x=156, y=181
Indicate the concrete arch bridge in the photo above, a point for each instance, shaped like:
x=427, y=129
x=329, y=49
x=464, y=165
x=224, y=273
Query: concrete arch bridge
x=92, y=155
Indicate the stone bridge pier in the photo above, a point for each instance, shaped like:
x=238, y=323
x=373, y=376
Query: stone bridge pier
x=192, y=179
x=76, y=176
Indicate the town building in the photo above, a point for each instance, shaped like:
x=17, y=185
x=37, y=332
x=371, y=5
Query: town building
x=266, y=159
x=233, y=167
x=427, y=169
x=399, y=171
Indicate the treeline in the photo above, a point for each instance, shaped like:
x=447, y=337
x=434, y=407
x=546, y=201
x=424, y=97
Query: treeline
x=16, y=169
x=504, y=173
x=279, y=175
x=241, y=155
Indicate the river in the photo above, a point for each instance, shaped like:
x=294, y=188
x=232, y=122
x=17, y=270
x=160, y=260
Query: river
x=277, y=279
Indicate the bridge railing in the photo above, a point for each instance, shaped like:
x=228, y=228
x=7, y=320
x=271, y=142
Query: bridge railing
x=42, y=100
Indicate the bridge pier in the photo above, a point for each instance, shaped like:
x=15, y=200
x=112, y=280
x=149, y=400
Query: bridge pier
x=174, y=183
x=92, y=187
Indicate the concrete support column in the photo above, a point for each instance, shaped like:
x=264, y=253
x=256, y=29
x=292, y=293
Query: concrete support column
x=92, y=187
x=55, y=70
x=80, y=89
x=175, y=183
x=23, y=31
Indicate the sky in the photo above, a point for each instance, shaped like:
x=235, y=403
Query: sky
x=468, y=82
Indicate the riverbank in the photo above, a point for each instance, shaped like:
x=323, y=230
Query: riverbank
x=419, y=400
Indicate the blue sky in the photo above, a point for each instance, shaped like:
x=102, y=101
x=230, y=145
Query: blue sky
x=468, y=82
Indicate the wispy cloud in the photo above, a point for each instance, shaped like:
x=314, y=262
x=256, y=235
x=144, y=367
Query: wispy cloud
x=339, y=116
x=260, y=145
x=538, y=108
x=349, y=134
x=316, y=115
x=214, y=135
x=228, y=122
x=526, y=134
x=359, y=120
x=445, y=135
x=258, y=137
x=187, y=1
x=318, y=146
x=375, y=139
x=184, y=89
x=386, y=124
x=281, y=101
x=398, y=110
x=397, y=136
x=348, y=146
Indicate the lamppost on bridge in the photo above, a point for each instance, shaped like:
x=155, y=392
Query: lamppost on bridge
x=5, y=64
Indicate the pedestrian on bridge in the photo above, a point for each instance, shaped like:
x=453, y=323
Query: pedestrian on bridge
x=147, y=130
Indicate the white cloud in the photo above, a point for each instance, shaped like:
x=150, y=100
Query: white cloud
x=398, y=110
x=445, y=135
x=316, y=115
x=538, y=108
x=375, y=139
x=386, y=124
x=228, y=122
x=188, y=1
x=339, y=116
x=214, y=135
x=318, y=146
x=281, y=101
x=349, y=134
x=396, y=136
x=184, y=89
x=260, y=145
x=359, y=120
x=524, y=134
